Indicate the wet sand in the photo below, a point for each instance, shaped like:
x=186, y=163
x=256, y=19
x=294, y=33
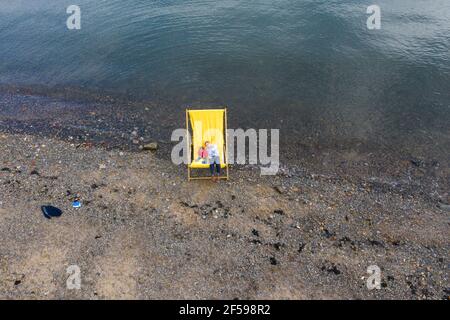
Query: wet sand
x=144, y=232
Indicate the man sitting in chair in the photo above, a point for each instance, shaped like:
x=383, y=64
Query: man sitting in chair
x=214, y=159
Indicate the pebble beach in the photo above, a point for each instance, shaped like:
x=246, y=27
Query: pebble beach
x=144, y=232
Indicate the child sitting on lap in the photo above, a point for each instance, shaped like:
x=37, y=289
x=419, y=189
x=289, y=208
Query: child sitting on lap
x=202, y=155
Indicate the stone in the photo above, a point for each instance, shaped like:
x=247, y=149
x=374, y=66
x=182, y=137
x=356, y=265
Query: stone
x=280, y=189
x=443, y=206
x=152, y=146
x=273, y=261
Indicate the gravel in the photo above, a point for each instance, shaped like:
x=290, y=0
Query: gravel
x=145, y=232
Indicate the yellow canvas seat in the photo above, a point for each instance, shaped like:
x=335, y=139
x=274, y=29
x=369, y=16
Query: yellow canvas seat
x=206, y=125
x=199, y=165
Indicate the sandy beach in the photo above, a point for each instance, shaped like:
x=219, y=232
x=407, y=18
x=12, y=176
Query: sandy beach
x=144, y=232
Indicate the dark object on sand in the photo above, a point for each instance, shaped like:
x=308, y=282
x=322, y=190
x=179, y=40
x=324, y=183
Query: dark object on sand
x=280, y=189
x=51, y=212
x=418, y=163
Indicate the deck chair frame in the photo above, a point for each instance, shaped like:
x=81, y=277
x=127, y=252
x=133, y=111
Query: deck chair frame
x=190, y=147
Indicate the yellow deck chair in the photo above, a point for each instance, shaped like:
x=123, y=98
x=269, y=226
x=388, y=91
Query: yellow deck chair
x=206, y=125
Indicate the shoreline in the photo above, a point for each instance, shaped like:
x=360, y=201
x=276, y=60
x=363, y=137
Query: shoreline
x=107, y=120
